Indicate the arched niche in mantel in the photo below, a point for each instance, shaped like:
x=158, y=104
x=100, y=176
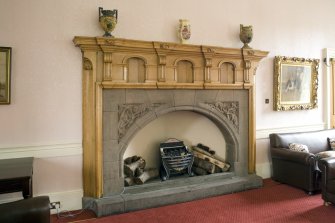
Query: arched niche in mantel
x=135, y=69
x=227, y=73
x=185, y=72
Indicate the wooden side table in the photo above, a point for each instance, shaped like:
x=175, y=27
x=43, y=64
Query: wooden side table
x=17, y=175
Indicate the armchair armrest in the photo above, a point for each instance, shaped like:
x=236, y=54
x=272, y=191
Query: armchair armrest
x=327, y=166
x=294, y=156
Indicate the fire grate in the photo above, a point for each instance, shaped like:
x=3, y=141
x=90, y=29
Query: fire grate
x=176, y=159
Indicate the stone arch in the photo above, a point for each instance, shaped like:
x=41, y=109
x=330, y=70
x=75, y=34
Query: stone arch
x=228, y=132
x=225, y=108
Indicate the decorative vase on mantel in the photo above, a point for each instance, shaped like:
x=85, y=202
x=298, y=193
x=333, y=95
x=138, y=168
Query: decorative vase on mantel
x=246, y=35
x=184, y=30
x=108, y=20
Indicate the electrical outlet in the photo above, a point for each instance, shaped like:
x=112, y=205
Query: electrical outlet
x=54, y=205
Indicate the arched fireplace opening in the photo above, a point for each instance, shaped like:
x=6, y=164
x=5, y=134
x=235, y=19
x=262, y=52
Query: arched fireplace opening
x=128, y=111
x=190, y=127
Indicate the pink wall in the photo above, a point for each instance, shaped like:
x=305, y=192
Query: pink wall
x=46, y=69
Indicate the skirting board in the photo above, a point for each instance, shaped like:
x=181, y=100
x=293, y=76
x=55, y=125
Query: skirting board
x=69, y=200
x=264, y=170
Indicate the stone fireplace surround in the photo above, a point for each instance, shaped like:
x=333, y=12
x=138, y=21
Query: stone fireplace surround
x=115, y=109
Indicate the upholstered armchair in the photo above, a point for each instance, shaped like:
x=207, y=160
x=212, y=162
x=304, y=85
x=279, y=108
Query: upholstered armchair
x=327, y=166
x=298, y=169
x=34, y=210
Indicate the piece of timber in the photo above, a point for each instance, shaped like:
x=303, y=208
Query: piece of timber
x=206, y=148
x=195, y=148
x=223, y=165
x=146, y=175
x=129, y=181
x=199, y=171
x=215, y=156
x=130, y=169
x=204, y=164
x=131, y=159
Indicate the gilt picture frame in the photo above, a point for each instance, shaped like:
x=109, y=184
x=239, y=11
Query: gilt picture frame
x=5, y=74
x=295, y=83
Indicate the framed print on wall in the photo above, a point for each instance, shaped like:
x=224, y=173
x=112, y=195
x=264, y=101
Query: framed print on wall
x=5, y=74
x=295, y=83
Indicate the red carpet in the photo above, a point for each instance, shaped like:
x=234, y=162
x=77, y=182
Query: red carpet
x=275, y=203
x=272, y=203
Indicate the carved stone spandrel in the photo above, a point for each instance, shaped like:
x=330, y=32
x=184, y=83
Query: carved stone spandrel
x=228, y=109
x=131, y=113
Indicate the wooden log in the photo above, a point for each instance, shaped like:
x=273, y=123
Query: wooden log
x=205, y=148
x=199, y=171
x=146, y=175
x=223, y=165
x=129, y=181
x=131, y=159
x=204, y=164
x=219, y=158
x=215, y=156
x=138, y=172
x=195, y=148
x=217, y=169
x=129, y=169
x=226, y=167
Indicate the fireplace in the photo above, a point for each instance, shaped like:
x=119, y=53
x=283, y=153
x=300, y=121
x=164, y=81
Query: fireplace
x=128, y=84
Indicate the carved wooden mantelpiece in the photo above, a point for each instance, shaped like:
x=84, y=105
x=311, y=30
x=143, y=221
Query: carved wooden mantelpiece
x=111, y=63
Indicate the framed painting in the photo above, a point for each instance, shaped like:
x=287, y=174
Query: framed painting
x=5, y=74
x=295, y=83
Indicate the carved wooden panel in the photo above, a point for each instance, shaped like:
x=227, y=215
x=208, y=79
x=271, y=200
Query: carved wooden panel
x=227, y=73
x=185, y=72
x=136, y=70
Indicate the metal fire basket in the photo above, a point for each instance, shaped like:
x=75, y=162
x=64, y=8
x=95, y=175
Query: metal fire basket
x=176, y=159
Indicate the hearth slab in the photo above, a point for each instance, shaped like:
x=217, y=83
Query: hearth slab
x=175, y=182
x=132, y=200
